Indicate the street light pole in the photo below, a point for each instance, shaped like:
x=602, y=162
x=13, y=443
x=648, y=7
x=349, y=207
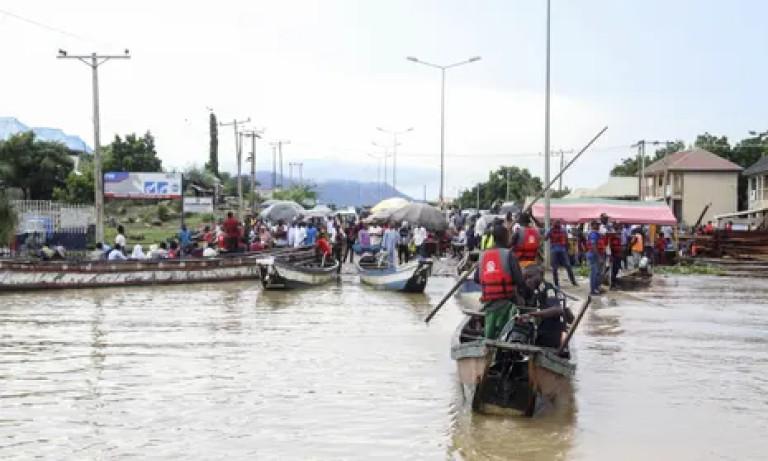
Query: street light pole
x=442, y=113
x=93, y=61
x=394, y=151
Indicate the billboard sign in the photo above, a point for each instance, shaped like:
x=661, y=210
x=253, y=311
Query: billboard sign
x=142, y=185
x=198, y=204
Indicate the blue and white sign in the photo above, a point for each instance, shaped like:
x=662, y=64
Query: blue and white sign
x=142, y=185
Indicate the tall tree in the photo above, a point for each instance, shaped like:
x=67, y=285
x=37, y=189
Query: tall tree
x=521, y=185
x=35, y=167
x=136, y=154
x=8, y=220
x=213, y=160
x=78, y=186
x=630, y=166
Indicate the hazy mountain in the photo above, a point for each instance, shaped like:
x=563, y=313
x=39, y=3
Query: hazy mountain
x=340, y=192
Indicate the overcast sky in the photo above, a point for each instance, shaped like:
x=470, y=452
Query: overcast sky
x=324, y=74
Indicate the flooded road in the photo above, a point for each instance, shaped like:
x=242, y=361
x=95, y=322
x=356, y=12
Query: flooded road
x=227, y=371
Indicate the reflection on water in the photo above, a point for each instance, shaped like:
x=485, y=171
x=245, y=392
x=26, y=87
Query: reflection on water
x=345, y=371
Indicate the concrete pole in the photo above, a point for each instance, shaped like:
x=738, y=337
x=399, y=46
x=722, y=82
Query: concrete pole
x=239, y=156
x=442, y=137
x=253, y=172
x=547, y=194
x=98, y=198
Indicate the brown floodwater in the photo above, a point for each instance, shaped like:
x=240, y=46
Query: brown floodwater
x=227, y=371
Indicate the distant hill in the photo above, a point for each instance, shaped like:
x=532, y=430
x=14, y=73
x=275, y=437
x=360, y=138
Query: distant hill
x=341, y=192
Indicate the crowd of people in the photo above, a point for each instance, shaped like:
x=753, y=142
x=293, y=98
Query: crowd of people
x=332, y=237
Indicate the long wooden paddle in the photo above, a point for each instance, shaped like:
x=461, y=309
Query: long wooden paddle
x=575, y=325
x=462, y=277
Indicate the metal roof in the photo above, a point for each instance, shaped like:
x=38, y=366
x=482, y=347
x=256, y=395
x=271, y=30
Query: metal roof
x=10, y=126
x=759, y=166
x=692, y=160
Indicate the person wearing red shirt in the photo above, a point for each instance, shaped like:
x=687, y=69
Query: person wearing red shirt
x=231, y=228
x=322, y=247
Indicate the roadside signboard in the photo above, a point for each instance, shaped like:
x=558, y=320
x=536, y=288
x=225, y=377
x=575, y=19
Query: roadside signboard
x=198, y=204
x=142, y=185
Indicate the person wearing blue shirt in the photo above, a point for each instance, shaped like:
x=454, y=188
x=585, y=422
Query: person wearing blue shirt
x=311, y=235
x=185, y=237
x=596, y=258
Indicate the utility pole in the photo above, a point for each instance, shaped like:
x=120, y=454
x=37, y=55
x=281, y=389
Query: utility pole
x=253, y=134
x=279, y=146
x=93, y=61
x=394, y=151
x=274, y=165
x=562, y=164
x=547, y=194
x=239, y=157
x=506, y=199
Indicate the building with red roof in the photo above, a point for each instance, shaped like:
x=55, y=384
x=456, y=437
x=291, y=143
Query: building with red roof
x=690, y=180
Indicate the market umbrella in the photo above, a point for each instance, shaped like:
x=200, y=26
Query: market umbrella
x=389, y=204
x=284, y=210
x=420, y=214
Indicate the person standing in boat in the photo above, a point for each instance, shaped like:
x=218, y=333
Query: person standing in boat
x=405, y=240
x=501, y=280
x=389, y=241
x=558, y=243
x=323, y=249
x=231, y=229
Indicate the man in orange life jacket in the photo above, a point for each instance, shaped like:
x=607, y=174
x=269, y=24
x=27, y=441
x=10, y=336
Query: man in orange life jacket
x=501, y=281
x=525, y=242
x=558, y=243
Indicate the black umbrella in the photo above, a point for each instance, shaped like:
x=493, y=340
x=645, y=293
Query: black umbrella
x=420, y=214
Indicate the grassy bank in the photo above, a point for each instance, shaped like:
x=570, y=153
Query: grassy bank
x=149, y=223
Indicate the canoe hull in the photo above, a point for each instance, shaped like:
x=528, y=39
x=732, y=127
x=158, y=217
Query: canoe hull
x=26, y=276
x=534, y=380
x=276, y=275
x=410, y=278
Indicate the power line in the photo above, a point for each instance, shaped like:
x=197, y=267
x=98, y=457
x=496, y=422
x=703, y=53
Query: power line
x=52, y=28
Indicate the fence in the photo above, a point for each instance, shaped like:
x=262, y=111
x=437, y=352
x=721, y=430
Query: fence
x=43, y=221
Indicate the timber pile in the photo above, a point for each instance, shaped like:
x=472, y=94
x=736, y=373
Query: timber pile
x=738, y=245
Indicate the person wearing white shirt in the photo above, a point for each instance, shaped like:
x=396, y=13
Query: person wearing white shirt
x=117, y=254
x=120, y=237
x=210, y=252
x=375, y=234
x=292, y=235
x=301, y=234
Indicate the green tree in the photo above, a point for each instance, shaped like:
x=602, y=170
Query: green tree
x=35, y=167
x=134, y=154
x=8, y=220
x=630, y=166
x=744, y=153
x=213, y=161
x=303, y=194
x=79, y=184
x=521, y=185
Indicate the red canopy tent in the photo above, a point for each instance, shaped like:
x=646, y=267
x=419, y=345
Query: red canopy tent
x=582, y=210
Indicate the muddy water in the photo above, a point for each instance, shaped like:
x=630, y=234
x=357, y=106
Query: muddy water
x=229, y=372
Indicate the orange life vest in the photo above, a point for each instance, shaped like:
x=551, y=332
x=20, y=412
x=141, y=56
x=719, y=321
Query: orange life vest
x=496, y=279
x=528, y=248
x=557, y=236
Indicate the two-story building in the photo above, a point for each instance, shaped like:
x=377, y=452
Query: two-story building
x=692, y=179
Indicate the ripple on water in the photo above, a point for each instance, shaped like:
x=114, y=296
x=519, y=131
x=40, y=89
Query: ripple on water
x=229, y=371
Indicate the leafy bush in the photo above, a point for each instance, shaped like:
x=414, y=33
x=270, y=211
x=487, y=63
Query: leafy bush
x=163, y=213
